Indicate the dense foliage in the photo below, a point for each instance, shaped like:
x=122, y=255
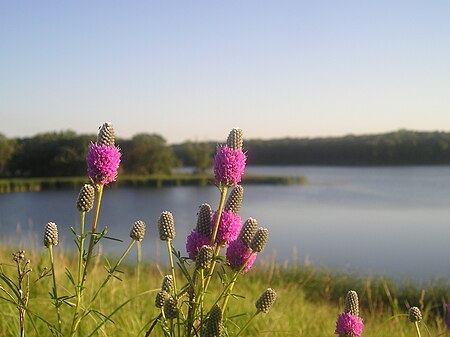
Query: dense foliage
x=64, y=153
x=58, y=154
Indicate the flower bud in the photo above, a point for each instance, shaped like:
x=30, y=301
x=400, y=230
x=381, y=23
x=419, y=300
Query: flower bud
x=260, y=239
x=167, y=284
x=414, y=314
x=214, y=323
x=86, y=196
x=235, y=139
x=51, y=234
x=352, y=303
x=170, y=308
x=161, y=297
x=138, y=231
x=204, y=216
x=234, y=201
x=204, y=258
x=248, y=231
x=106, y=134
x=166, y=226
x=266, y=300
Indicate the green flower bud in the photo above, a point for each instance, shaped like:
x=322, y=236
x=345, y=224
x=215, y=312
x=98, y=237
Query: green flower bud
x=266, y=300
x=166, y=226
x=234, y=201
x=85, y=201
x=51, y=234
x=138, y=231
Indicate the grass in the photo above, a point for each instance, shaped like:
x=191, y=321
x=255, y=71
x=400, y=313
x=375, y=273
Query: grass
x=309, y=299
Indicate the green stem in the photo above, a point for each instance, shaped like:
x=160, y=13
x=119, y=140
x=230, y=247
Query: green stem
x=55, y=292
x=223, y=194
x=227, y=296
x=417, y=328
x=112, y=270
x=227, y=290
x=94, y=228
x=213, y=265
x=78, y=288
x=192, y=305
x=247, y=324
x=172, y=268
x=138, y=267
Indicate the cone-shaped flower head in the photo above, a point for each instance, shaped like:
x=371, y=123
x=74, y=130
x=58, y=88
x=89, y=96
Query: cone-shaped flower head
x=229, y=166
x=103, y=163
x=352, y=303
x=237, y=255
x=229, y=227
x=85, y=201
x=349, y=325
x=51, y=234
x=195, y=241
x=235, y=139
x=214, y=323
x=234, y=201
x=248, y=231
x=167, y=284
x=414, y=314
x=171, y=308
x=166, y=226
x=137, y=231
x=106, y=134
x=260, y=239
x=266, y=300
x=204, y=257
x=160, y=299
x=204, y=216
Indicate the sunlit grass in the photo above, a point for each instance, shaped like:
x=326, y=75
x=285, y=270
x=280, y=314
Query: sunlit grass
x=309, y=299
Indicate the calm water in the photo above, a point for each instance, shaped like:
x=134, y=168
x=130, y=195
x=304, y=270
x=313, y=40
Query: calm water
x=384, y=220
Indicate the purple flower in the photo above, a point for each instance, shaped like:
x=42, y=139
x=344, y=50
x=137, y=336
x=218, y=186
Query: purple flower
x=349, y=324
x=103, y=163
x=229, y=166
x=237, y=254
x=195, y=241
x=229, y=227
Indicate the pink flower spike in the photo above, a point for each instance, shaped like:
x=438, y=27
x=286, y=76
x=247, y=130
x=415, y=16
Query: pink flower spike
x=349, y=324
x=103, y=163
x=194, y=243
x=237, y=254
x=229, y=166
x=229, y=227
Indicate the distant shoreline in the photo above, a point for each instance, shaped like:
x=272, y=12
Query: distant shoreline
x=37, y=184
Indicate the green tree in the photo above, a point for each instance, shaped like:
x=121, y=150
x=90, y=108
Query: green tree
x=7, y=147
x=200, y=155
x=51, y=154
x=147, y=154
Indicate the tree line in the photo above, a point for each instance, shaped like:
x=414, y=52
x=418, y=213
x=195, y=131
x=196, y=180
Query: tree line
x=64, y=153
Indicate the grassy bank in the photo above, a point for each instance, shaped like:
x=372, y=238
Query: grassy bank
x=309, y=300
x=177, y=179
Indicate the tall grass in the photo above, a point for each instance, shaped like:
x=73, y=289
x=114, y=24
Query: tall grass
x=309, y=299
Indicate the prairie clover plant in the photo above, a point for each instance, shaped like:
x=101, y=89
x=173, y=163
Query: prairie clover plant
x=348, y=323
x=187, y=307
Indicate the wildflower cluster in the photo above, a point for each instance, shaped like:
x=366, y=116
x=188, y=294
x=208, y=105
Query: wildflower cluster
x=183, y=300
x=222, y=229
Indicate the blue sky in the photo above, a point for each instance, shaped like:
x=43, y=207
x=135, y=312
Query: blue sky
x=195, y=69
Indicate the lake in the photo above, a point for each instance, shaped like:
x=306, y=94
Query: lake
x=370, y=220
